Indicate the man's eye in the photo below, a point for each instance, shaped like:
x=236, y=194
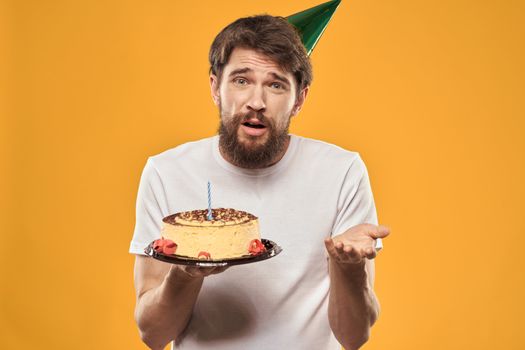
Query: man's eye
x=240, y=81
x=276, y=86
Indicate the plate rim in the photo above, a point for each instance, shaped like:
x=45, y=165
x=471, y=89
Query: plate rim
x=247, y=259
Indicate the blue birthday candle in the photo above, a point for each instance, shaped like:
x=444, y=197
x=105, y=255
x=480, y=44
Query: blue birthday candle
x=210, y=217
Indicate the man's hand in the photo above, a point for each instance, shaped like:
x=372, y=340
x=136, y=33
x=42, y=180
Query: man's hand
x=195, y=271
x=355, y=245
x=352, y=304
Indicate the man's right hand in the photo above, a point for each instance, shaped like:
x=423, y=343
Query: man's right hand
x=182, y=271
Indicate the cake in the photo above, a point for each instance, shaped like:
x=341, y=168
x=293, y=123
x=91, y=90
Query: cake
x=230, y=234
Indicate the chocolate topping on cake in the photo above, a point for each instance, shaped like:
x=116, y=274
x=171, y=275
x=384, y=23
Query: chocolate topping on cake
x=220, y=215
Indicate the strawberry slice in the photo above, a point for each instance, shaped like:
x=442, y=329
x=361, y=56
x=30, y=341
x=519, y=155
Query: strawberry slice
x=169, y=248
x=256, y=247
x=158, y=244
x=204, y=256
x=165, y=246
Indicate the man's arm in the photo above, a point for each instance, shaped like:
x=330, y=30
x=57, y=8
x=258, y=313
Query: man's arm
x=166, y=295
x=353, y=307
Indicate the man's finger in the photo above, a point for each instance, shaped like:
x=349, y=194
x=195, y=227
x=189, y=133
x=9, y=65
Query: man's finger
x=336, y=250
x=380, y=232
x=330, y=247
x=352, y=253
x=198, y=271
x=219, y=269
x=370, y=253
x=192, y=271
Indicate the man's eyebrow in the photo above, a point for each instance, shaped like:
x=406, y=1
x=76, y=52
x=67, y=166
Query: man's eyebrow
x=239, y=71
x=280, y=78
x=247, y=70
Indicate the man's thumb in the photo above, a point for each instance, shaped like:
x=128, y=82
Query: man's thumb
x=381, y=232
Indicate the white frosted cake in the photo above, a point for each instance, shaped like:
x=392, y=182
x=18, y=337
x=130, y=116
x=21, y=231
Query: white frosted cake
x=230, y=234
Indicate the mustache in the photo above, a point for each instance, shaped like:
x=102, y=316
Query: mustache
x=244, y=117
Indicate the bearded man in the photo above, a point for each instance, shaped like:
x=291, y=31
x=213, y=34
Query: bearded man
x=311, y=197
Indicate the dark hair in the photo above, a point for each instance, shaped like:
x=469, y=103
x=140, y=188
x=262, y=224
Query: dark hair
x=269, y=35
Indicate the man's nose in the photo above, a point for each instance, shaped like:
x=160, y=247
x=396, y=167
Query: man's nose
x=257, y=100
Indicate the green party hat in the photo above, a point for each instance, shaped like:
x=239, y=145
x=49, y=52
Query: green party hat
x=312, y=22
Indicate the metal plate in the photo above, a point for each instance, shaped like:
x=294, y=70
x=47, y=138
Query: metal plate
x=272, y=249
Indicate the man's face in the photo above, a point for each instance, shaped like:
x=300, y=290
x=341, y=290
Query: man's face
x=256, y=99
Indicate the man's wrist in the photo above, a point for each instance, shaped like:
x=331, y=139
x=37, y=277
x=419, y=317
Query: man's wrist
x=354, y=271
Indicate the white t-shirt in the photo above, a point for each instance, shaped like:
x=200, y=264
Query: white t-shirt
x=316, y=190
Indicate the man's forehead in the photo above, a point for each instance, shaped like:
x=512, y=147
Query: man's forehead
x=250, y=59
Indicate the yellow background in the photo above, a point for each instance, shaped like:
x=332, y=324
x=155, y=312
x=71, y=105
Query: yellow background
x=431, y=93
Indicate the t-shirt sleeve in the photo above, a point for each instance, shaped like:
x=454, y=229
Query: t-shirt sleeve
x=151, y=207
x=356, y=201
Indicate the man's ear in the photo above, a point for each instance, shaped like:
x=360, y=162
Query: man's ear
x=300, y=100
x=214, y=87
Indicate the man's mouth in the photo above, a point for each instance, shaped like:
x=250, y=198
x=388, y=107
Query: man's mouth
x=253, y=127
x=254, y=124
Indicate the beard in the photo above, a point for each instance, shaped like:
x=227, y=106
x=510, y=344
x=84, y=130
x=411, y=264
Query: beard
x=251, y=154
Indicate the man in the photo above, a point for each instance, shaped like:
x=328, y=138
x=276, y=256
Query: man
x=312, y=198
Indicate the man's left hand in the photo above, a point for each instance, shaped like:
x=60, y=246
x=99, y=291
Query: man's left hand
x=355, y=245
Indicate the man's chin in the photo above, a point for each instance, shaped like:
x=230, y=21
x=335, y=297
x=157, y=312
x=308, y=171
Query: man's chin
x=249, y=141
